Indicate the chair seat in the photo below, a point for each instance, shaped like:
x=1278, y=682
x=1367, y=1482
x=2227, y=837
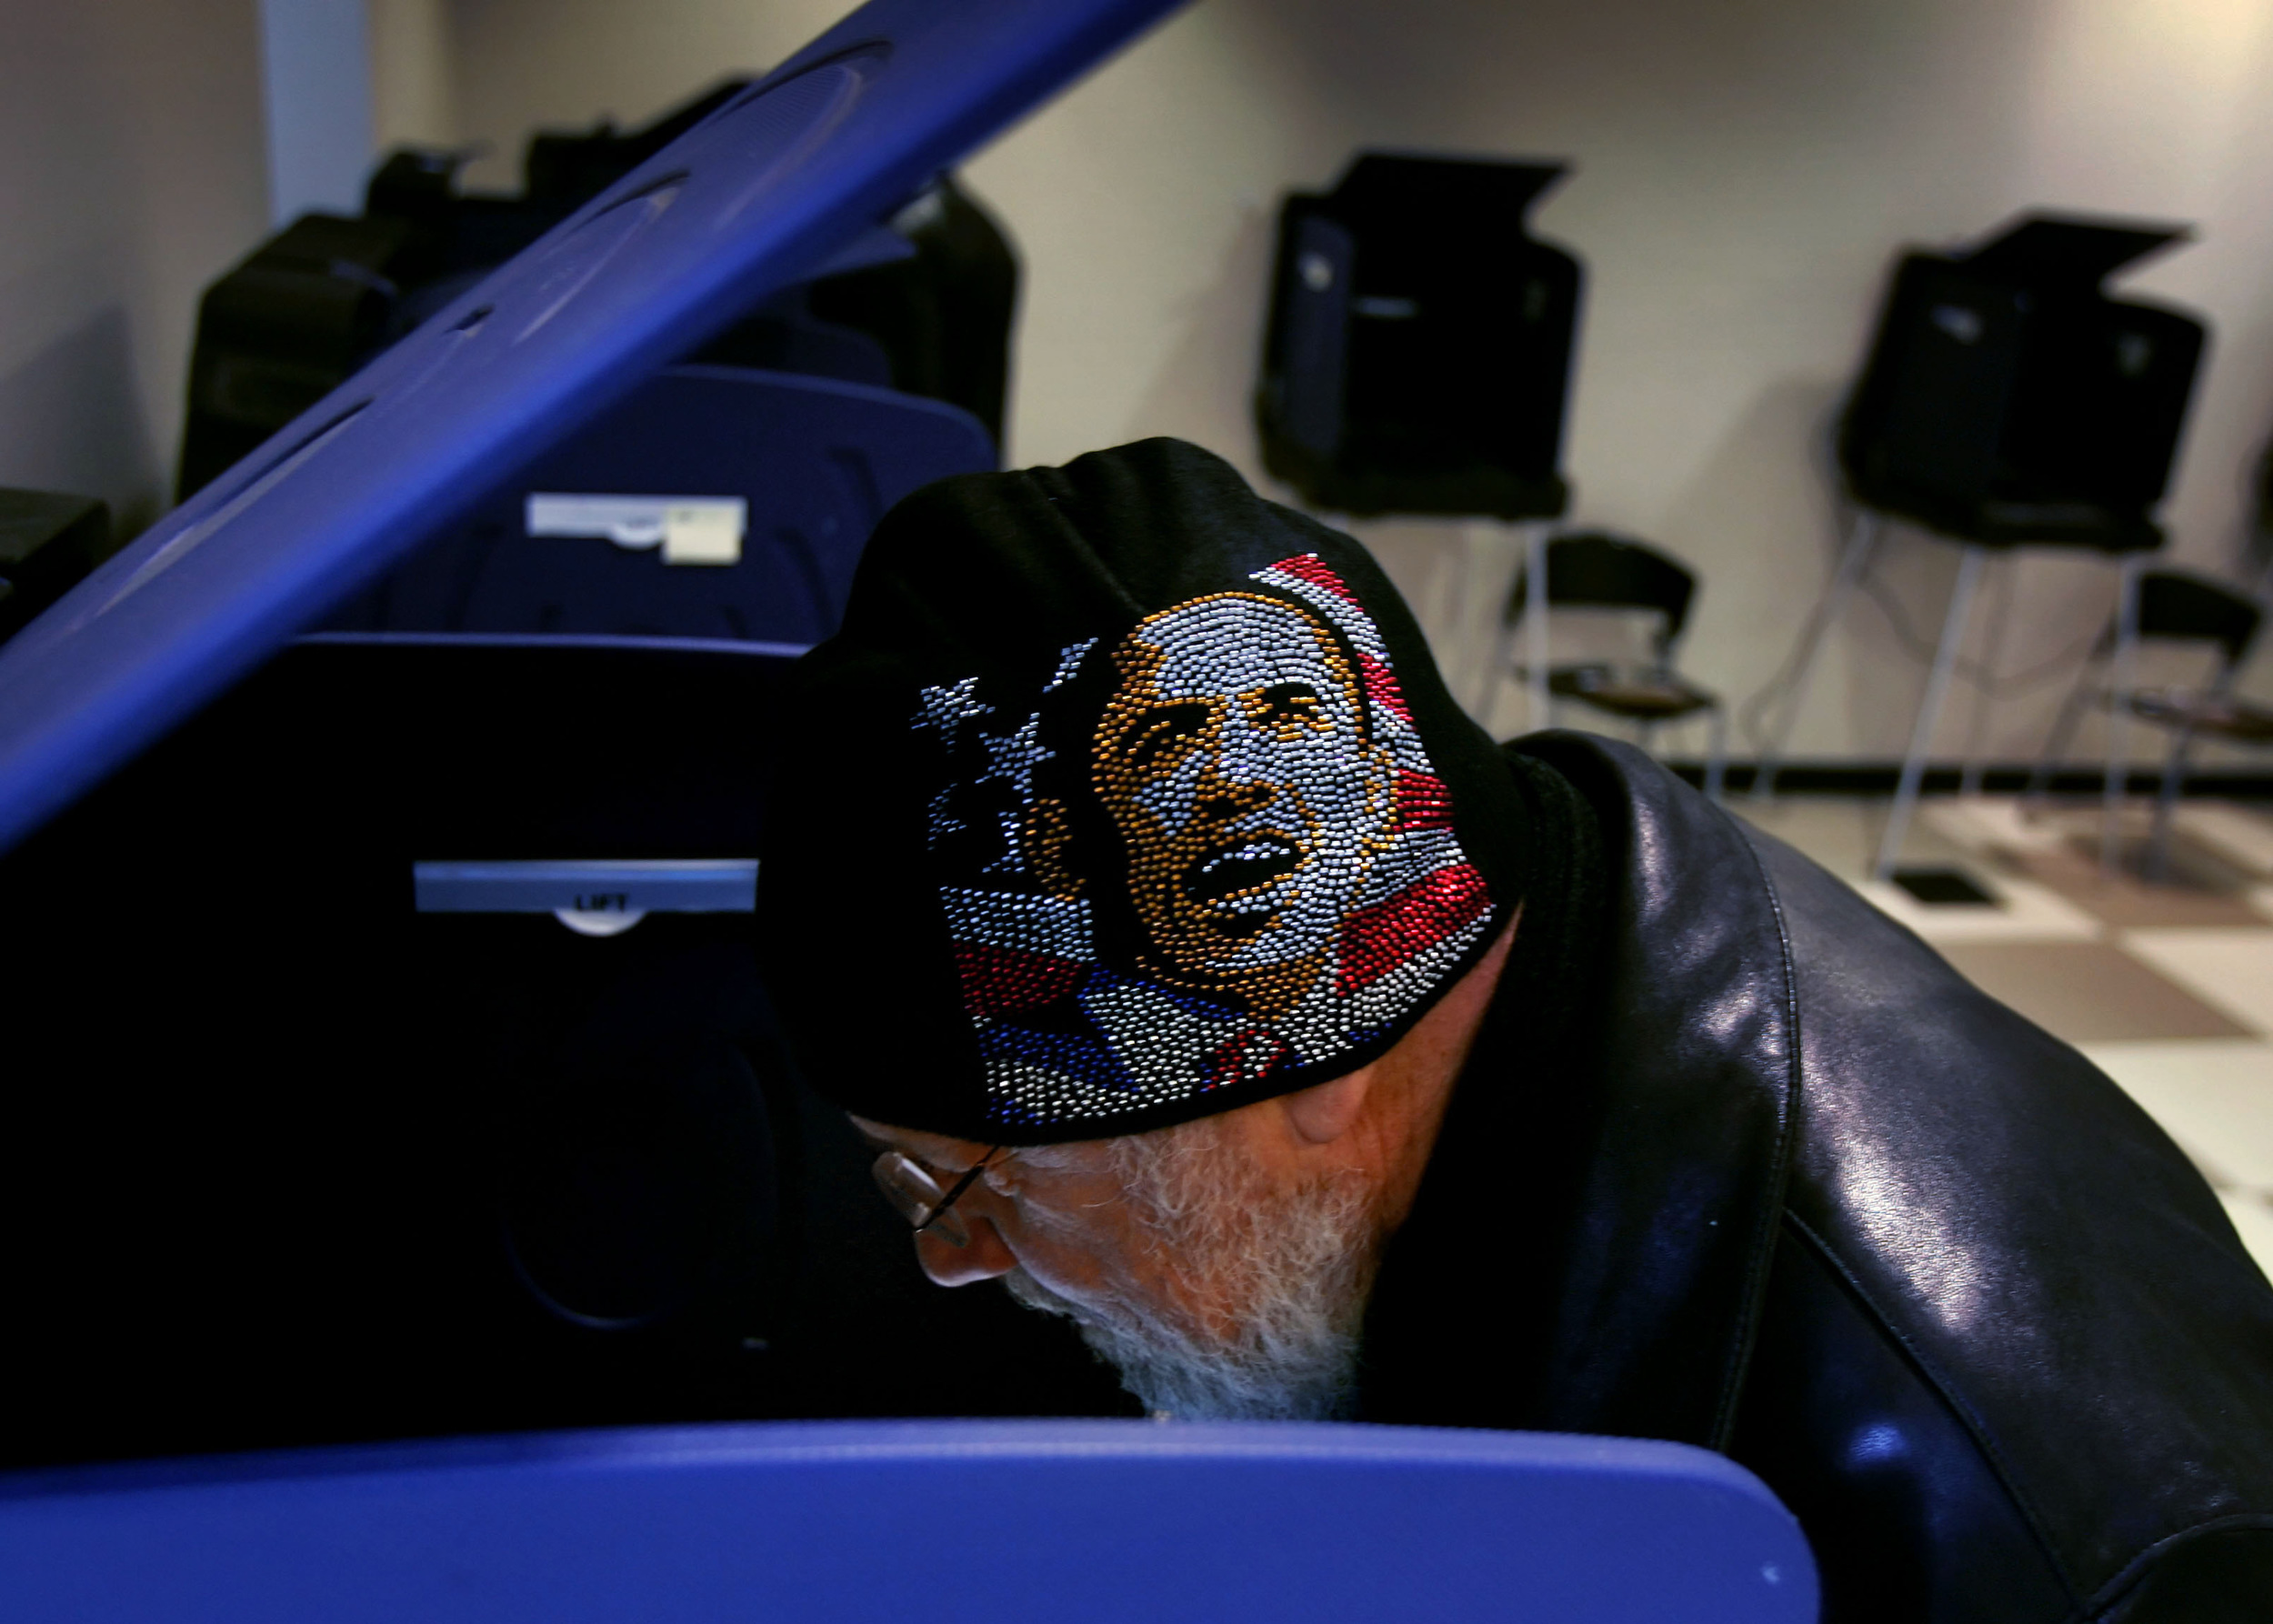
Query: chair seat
x=2221, y=716
x=1642, y=694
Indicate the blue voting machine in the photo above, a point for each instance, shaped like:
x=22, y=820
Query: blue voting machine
x=771, y=188
x=392, y=1065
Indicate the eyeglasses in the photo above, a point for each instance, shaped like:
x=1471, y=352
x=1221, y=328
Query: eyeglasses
x=914, y=1192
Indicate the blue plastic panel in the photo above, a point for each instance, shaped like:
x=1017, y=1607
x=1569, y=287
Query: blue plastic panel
x=993, y=1522
x=813, y=462
x=755, y=197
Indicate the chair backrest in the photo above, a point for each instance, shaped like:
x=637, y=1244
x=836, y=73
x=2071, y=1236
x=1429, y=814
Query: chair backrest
x=1597, y=568
x=1001, y=1522
x=2177, y=604
x=815, y=462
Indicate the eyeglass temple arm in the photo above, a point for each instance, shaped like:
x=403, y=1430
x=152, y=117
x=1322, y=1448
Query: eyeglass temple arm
x=962, y=1184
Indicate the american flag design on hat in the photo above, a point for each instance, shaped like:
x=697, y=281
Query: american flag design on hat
x=1264, y=879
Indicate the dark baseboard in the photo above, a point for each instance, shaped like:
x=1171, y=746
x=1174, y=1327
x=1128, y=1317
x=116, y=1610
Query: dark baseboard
x=1878, y=777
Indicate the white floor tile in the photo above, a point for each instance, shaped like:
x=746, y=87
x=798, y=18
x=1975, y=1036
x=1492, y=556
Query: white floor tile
x=2213, y=1095
x=2031, y=913
x=1984, y=823
x=2231, y=968
x=1842, y=833
x=2254, y=1218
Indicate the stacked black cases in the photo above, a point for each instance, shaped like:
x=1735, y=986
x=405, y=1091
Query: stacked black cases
x=2008, y=401
x=1419, y=347
x=940, y=318
x=47, y=542
x=322, y=298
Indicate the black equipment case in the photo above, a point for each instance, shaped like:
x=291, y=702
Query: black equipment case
x=2009, y=400
x=1418, y=353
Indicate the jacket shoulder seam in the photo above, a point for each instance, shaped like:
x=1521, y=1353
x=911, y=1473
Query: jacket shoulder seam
x=1974, y=1427
x=1763, y=1246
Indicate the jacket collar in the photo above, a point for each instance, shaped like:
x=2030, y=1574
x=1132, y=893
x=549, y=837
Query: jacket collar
x=1629, y=1176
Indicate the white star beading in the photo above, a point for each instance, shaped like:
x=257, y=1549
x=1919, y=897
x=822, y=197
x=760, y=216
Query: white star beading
x=948, y=708
x=943, y=822
x=1013, y=757
x=1069, y=660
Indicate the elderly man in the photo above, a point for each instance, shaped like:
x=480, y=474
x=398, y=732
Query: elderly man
x=1196, y=969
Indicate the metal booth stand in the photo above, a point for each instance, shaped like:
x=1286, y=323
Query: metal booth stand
x=2008, y=403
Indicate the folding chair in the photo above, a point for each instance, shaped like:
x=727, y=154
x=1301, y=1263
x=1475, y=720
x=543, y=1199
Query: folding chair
x=2168, y=606
x=1598, y=570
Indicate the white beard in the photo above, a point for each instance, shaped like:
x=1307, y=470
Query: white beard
x=1287, y=1272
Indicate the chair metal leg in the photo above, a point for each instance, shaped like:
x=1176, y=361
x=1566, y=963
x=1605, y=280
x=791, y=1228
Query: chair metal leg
x=1929, y=711
x=1862, y=540
x=1976, y=762
x=2174, y=772
x=2062, y=734
x=2125, y=659
x=1716, y=755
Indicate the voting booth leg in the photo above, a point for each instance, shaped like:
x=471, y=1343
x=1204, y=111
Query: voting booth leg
x=1479, y=642
x=1527, y=636
x=1862, y=541
x=1929, y=709
x=2120, y=678
x=1976, y=756
x=1446, y=620
x=1535, y=613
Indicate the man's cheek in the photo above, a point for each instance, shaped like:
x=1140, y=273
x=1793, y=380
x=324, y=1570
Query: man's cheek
x=1168, y=800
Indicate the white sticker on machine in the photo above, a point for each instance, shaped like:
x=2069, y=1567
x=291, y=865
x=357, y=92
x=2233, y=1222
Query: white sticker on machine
x=698, y=530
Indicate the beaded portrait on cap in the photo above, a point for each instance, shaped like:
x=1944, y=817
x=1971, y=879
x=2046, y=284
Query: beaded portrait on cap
x=1209, y=855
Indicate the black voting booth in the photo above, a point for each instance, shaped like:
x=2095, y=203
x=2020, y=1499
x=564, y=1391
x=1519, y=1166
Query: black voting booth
x=2009, y=401
x=1418, y=349
x=386, y=1052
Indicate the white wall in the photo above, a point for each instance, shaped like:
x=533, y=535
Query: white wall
x=412, y=88
x=131, y=172
x=316, y=87
x=1745, y=170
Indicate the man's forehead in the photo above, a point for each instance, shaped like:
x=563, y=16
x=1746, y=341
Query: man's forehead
x=1234, y=643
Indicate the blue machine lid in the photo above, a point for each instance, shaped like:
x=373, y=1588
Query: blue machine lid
x=759, y=196
x=1007, y=1522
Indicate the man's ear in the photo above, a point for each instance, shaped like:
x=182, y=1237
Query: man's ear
x=1323, y=1114
x=1047, y=843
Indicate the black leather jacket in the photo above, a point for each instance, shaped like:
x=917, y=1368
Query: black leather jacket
x=1770, y=1178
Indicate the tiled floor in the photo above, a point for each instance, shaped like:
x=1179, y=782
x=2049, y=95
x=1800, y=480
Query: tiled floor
x=2168, y=988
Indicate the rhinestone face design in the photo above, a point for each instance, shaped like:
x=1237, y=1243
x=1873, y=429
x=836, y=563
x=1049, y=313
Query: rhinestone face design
x=1194, y=858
